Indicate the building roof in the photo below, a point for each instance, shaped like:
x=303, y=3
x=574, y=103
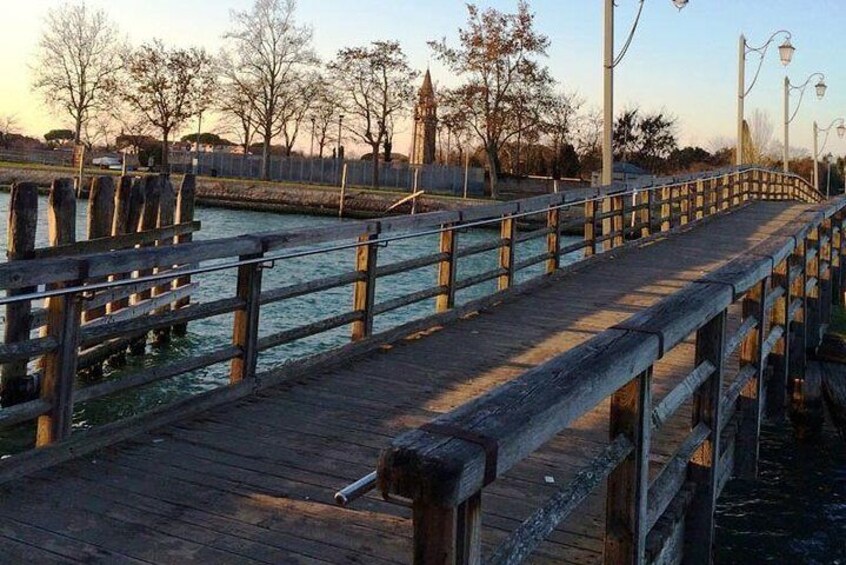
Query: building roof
x=427, y=90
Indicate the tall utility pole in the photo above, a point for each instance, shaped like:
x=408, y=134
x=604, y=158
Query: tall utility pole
x=608, y=105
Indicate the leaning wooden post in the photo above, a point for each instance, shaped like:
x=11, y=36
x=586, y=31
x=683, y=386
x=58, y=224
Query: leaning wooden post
x=448, y=535
x=447, y=268
x=750, y=402
x=553, y=239
x=590, y=228
x=121, y=225
x=184, y=215
x=705, y=463
x=101, y=211
x=246, y=320
x=149, y=218
x=506, y=253
x=776, y=397
x=364, y=290
x=628, y=484
x=23, y=222
x=167, y=206
x=684, y=204
x=64, y=317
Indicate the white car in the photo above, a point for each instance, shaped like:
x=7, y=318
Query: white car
x=108, y=162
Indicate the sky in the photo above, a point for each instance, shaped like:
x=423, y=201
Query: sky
x=682, y=62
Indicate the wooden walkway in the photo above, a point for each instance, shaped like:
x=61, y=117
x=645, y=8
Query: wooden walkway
x=253, y=481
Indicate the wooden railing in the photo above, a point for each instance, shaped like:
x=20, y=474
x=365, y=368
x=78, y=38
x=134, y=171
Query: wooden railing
x=73, y=282
x=784, y=288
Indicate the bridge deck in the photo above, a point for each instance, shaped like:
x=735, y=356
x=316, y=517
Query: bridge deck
x=253, y=481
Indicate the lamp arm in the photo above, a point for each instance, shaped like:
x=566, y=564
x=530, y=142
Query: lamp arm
x=802, y=90
x=762, y=53
x=618, y=59
x=827, y=132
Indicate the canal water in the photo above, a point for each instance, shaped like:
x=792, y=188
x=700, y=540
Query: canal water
x=796, y=513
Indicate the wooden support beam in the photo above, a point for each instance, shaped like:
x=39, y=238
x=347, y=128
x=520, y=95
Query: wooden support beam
x=776, y=389
x=813, y=299
x=590, y=228
x=148, y=220
x=23, y=223
x=167, y=210
x=63, y=324
x=364, y=290
x=447, y=269
x=618, y=221
x=246, y=321
x=704, y=465
x=101, y=212
x=628, y=485
x=751, y=397
x=797, y=357
x=666, y=217
x=508, y=229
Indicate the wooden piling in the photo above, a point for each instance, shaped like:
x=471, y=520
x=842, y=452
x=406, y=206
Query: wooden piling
x=122, y=224
x=447, y=269
x=23, y=221
x=751, y=401
x=508, y=229
x=101, y=211
x=364, y=291
x=148, y=221
x=167, y=209
x=184, y=214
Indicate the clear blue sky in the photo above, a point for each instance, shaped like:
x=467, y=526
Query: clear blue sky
x=682, y=62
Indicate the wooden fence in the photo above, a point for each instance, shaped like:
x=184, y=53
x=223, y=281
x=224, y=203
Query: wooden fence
x=60, y=348
x=140, y=212
x=784, y=289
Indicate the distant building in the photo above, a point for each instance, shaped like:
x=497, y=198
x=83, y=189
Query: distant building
x=425, y=125
x=623, y=173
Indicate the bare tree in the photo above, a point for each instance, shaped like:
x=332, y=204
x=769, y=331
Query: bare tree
x=78, y=53
x=324, y=113
x=267, y=51
x=761, y=148
x=8, y=127
x=236, y=105
x=505, y=87
x=167, y=86
x=376, y=85
x=300, y=96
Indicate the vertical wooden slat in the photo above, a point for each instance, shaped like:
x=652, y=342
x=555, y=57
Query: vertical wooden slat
x=825, y=275
x=469, y=531
x=506, y=253
x=618, y=221
x=796, y=354
x=23, y=220
x=447, y=269
x=646, y=213
x=63, y=323
x=684, y=202
x=813, y=298
x=836, y=262
x=704, y=465
x=246, y=321
x=751, y=401
x=666, y=210
x=364, y=291
x=776, y=397
x=101, y=211
x=700, y=200
x=553, y=240
x=148, y=220
x=626, y=501
x=122, y=224
x=590, y=228
x=184, y=214
x=435, y=534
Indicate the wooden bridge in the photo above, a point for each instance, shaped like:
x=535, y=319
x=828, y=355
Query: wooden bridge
x=590, y=413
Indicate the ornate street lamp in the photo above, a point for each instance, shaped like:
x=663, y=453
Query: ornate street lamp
x=820, y=88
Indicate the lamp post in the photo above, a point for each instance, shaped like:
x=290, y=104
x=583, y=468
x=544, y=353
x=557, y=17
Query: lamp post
x=340, y=122
x=610, y=62
x=785, y=51
x=820, y=88
x=841, y=131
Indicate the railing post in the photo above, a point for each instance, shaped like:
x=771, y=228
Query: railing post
x=699, y=200
x=506, y=253
x=826, y=268
x=246, y=320
x=553, y=240
x=814, y=300
x=364, y=291
x=776, y=397
x=618, y=221
x=796, y=354
x=750, y=402
x=704, y=465
x=447, y=268
x=666, y=209
x=628, y=484
x=184, y=214
x=448, y=536
x=837, y=260
x=64, y=317
x=684, y=202
x=590, y=228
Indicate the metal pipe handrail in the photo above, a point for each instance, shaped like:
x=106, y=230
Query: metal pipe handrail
x=383, y=241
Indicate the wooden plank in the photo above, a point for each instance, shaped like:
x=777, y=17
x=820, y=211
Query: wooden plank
x=246, y=323
x=506, y=253
x=681, y=393
x=101, y=212
x=628, y=485
x=447, y=269
x=184, y=214
x=167, y=210
x=310, y=287
x=23, y=222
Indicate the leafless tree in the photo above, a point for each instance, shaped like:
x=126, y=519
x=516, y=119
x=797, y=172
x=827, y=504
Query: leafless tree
x=324, y=114
x=505, y=87
x=78, y=53
x=167, y=86
x=376, y=85
x=267, y=51
x=299, y=98
x=8, y=127
x=761, y=149
x=235, y=103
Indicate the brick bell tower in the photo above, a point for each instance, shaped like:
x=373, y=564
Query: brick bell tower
x=425, y=124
